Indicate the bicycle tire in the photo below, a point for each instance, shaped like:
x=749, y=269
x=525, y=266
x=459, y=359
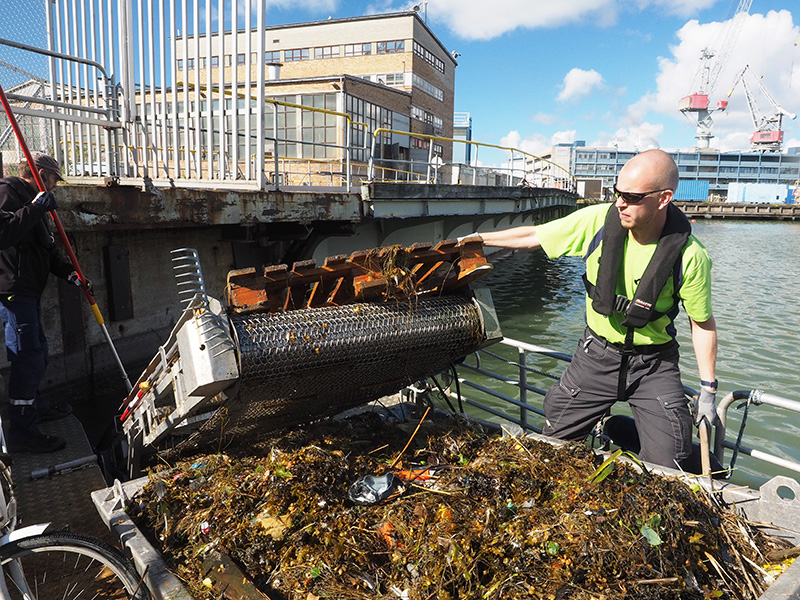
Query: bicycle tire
x=68, y=566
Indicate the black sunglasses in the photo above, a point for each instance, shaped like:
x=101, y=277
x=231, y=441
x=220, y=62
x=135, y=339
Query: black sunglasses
x=635, y=197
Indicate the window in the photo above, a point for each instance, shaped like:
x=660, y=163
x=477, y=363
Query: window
x=295, y=55
x=214, y=62
x=391, y=79
x=428, y=87
x=227, y=60
x=429, y=57
x=240, y=59
x=326, y=52
x=375, y=117
x=357, y=49
x=318, y=129
x=392, y=47
x=426, y=117
x=272, y=56
x=190, y=63
x=180, y=64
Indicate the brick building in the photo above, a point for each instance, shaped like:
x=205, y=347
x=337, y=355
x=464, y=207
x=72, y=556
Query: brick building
x=384, y=71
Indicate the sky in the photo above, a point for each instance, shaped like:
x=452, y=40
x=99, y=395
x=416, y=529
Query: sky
x=533, y=73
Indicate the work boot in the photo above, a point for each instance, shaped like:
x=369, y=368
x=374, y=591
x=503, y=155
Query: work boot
x=24, y=436
x=52, y=411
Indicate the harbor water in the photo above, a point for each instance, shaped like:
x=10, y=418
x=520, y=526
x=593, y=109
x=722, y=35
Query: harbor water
x=755, y=298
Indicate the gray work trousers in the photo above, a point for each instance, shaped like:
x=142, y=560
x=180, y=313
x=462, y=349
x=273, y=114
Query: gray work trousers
x=588, y=389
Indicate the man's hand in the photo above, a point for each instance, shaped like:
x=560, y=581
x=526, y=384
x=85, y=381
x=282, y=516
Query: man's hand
x=75, y=279
x=472, y=237
x=46, y=200
x=707, y=407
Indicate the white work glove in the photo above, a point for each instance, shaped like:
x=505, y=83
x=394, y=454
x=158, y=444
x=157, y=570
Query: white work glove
x=706, y=407
x=473, y=237
x=75, y=279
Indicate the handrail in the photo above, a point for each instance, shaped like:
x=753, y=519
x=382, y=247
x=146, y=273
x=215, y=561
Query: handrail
x=53, y=54
x=520, y=407
x=568, y=176
x=212, y=87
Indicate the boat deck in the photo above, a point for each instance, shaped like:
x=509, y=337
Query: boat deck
x=63, y=498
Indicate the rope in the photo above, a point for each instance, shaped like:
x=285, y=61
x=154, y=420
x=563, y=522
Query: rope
x=753, y=398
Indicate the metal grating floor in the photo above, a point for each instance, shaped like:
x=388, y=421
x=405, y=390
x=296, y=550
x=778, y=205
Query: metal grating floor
x=62, y=499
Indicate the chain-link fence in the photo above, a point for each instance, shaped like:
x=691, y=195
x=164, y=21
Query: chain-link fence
x=25, y=73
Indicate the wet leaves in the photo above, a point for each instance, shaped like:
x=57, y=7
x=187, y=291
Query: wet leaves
x=479, y=517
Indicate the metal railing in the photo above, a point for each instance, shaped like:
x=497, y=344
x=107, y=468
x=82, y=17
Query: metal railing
x=167, y=92
x=81, y=106
x=507, y=383
x=536, y=172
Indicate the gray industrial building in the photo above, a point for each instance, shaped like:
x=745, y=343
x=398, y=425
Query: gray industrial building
x=717, y=169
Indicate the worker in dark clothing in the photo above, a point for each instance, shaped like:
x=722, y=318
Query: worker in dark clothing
x=28, y=255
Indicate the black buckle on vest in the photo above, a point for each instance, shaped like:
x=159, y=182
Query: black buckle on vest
x=621, y=304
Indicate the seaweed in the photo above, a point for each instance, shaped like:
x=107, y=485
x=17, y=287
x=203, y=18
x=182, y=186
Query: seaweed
x=476, y=516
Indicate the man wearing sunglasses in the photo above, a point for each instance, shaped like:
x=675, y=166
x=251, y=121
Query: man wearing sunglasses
x=641, y=263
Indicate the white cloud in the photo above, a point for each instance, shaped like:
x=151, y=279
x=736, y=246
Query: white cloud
x=642, y=136
x=564, y=137
x=481, y=20
x=537, y=144
x=792, y=143
x=579, y=83
x=765, y=42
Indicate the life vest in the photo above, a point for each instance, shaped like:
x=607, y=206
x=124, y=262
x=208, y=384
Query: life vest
x=666, y=261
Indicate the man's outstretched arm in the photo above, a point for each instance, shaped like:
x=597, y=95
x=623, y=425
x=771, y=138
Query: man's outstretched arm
x=517, y=238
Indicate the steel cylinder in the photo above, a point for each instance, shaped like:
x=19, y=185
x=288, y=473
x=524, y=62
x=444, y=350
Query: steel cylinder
x=299, y=365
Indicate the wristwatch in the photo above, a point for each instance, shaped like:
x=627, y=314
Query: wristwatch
x=709, y=384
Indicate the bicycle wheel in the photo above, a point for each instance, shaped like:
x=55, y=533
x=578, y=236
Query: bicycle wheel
x=67, y=566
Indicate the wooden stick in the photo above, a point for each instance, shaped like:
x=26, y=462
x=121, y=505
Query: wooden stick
x=657, y=581
x=427, y=410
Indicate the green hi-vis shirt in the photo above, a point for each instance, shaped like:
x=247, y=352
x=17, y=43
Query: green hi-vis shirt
x=572, y=236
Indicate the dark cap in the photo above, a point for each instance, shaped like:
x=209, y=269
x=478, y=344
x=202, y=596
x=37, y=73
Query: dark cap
x=46, y=162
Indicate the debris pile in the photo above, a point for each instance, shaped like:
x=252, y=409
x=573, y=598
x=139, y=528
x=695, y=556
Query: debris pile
x=463, y=515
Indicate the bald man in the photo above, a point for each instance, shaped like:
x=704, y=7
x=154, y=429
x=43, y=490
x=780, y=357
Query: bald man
x=642, y=262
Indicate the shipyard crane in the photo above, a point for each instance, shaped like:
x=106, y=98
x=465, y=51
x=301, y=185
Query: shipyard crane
x=768, y=135
x=711, y=63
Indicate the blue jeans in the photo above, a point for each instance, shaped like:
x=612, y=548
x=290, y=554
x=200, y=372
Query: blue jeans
x=26, y=345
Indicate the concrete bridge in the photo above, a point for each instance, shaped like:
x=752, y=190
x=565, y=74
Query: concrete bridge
x=122, y=235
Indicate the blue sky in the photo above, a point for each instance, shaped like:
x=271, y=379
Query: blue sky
x=535, y=72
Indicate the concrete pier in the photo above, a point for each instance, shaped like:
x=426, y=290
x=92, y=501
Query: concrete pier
x=732, y=210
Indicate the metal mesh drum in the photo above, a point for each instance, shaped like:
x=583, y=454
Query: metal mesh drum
x=299, y=365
